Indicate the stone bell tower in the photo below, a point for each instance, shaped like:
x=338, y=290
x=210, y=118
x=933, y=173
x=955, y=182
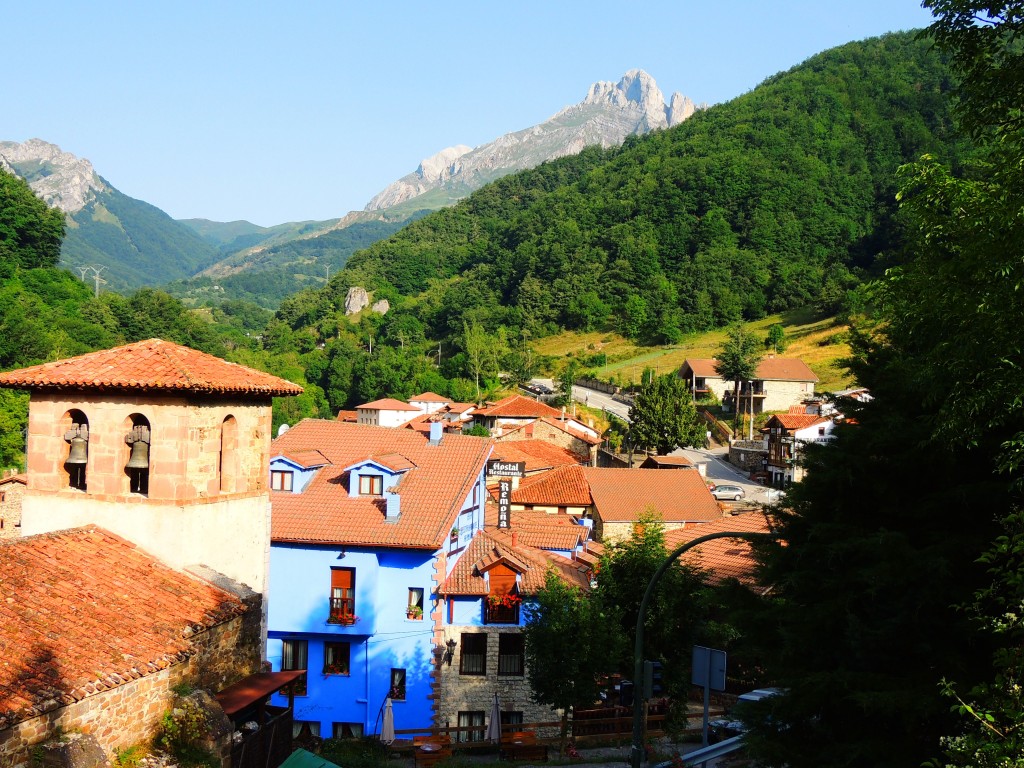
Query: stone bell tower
x=163, y=445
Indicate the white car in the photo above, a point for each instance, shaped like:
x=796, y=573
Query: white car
x=727, y=492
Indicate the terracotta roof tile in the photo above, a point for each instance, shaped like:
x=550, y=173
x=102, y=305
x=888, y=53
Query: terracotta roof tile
x=84, y=610
x=669, y=461
x=537, y=454
x=770, y=368
x=722, y=558
x=465, y=578
x=623, y=494
x=387, y=404
x=794, y=421
x=518, y=407
x=352, y=416
x=564, y=486
x=431, y=494
x=307, y=459
x=429, y=397
x=20, y=478
x=147, y=366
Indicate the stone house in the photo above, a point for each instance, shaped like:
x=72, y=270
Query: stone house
x=156, y=455
x=779, y=382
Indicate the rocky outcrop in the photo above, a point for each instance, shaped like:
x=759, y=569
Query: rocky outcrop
x=381, y=307
x=61, y=179
x=356, y=300
x=609, y=113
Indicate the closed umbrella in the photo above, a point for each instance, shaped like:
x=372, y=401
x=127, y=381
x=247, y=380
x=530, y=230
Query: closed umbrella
x=387, y=730
x=494, y=727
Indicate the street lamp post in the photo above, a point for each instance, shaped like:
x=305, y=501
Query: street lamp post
x=639, y=704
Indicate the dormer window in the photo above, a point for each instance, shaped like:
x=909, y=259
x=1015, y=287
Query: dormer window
x=371, y=485
x=281, y=480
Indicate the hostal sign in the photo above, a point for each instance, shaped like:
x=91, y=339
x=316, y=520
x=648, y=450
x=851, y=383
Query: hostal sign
x=505, y=470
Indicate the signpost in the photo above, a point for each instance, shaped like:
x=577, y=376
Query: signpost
x=505, y=470
x=498, y=468
x=708, y=671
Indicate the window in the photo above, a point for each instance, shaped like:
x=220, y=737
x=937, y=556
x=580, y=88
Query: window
x=336, y=657
x=397, y=684
x=473, y=659
x=281, y=480
x=226, y=472
x=467, y=719
x=304, y=729
x=293, y=656
x=821, y=431
x=347, y=730
x=414, y=608
x=371, y=485
x=511, y=718
x=511, y=651
x=343, y=602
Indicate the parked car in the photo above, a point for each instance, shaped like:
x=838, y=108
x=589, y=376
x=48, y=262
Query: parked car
x=727, y=492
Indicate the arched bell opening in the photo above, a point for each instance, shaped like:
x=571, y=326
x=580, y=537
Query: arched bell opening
x=227, y=470
x=137, y=441
x=75, y=426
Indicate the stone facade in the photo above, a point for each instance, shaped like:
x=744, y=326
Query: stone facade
x=12, y=492
x=475, y=693
x=207, y=500
x=611, y=533
x=541, y=430
x=130, y=713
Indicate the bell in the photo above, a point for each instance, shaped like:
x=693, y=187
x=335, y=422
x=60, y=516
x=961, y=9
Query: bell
x=140, y=456
x=79, y=453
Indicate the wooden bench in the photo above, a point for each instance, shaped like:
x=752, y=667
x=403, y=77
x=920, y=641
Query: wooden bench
x=522, y=745
x=427, y=751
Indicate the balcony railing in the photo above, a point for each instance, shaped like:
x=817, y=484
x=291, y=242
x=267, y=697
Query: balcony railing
x=342, y=611
x=501, y=614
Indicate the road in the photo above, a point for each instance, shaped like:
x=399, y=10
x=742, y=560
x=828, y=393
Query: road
x=721, y=471
x=596, y=399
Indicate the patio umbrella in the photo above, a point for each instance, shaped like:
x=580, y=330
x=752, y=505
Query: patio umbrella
x=494, y=727
x=387, y=730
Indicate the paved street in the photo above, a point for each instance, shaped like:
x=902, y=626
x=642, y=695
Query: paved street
x=595, y=399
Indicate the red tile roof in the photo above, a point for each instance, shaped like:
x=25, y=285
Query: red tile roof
x=20, y=478
x=387, y=404
x=546, y=530
x=307, y=459
x=794, y=421
x=669, y=461
x=518, y=407
x=770, y=369
x=563, y=487
x=87, y=611
x=429, y=397
x=431, y=493
x=152, y=365
x=352, y=416
x=722, y=558
x=621, y=495
x=466, y=579
x=537, y=454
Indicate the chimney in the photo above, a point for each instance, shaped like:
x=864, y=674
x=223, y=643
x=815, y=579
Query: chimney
x=515, y=538
x=436, y=432
x=391, y=511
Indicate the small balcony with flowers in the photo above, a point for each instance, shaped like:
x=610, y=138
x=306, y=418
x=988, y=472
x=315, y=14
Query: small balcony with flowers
x=502, y=609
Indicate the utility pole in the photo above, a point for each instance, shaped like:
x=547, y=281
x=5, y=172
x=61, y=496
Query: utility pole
x=97, y=280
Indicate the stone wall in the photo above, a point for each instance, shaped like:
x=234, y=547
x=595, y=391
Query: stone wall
x=11, y=494
x=130, y=714
x=748, y=455
x=475, y=693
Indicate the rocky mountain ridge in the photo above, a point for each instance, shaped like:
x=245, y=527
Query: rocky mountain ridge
x=62, y=179
x=607, y=115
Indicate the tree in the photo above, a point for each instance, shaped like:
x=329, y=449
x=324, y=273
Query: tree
x=776, y=338
x=566, y=380
x=564, y=674
x=30, y=231
x=737, y=362
x=663, y=416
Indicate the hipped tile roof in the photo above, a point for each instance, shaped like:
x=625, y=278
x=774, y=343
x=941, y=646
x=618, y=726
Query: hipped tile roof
x=545, y=530
x=83, y=611
x=518, y=407
x=769, y=369
x=621, y=495
x=431, y=493
x=794, y=421
x=466, y=579
x=151, y=365
x=564, y=487
x=429, y=397
x=536, y=454
x=722, y=558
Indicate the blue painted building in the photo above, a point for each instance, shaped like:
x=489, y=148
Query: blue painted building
x=366, y=523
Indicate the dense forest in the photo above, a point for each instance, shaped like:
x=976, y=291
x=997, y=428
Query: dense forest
x=783, y=197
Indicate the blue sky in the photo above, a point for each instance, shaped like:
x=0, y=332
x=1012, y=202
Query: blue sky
x=260, y=111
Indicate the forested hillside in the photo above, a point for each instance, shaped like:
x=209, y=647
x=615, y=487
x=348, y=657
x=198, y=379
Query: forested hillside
x=777, y=199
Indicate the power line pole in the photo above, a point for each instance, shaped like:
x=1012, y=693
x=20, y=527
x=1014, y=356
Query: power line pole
x=97, y=280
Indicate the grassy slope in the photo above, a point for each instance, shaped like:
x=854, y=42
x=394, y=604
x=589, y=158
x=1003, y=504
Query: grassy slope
x=821, y=343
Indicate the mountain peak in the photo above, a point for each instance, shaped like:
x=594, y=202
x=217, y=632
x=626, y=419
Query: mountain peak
x=609, y=113
x=63, y=180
